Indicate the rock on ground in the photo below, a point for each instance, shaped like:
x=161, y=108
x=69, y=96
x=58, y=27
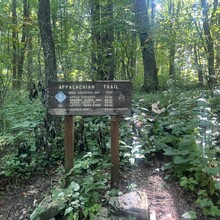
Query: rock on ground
x=131, y=204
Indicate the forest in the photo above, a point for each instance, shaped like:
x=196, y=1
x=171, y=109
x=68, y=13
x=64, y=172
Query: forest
x=169, y=146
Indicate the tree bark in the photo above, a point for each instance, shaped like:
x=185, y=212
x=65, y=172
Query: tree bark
x=26, y=17
x=216, y=22
x=14, y=44
x=96, y=38
x=103, y=63
x=48, y=45
x=47, y=40
x=107, y=39
x=198, y=66
x=29, y=59
x=209, y=44
x=174, y=15
x=147, y=45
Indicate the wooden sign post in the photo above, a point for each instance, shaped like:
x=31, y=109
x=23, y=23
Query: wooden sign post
x=115, y=150
x=69, y=142
x=90, y=98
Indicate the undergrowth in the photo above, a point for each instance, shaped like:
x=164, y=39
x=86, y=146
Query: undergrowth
x=25, y=141
x=169, y=123
x=185, y=129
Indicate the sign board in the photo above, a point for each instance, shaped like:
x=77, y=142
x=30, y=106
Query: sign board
x=90, y=98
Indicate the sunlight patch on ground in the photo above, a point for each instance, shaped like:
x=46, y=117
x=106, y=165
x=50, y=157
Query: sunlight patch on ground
x=162, y=205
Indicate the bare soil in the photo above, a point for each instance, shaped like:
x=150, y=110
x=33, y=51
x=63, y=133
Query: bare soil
x=18, y=200
x=167, y=200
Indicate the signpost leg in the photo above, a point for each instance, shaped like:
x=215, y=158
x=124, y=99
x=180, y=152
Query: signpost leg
x=69, y=142
x=115, y=150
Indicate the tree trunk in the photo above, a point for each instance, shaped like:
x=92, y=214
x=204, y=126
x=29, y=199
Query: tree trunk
x=172, y=53
x=198, y=66
x=96, y=38
x=107, y=39
x=216, y=22
x=29, y=59
x=102, y=39
x=14, y=44
x=174, y=16
x=147, y=45
x=23, y=45
x=209, y=44
x=48, y=45
x=153, y=9
x=47, y=40
x=133, y=57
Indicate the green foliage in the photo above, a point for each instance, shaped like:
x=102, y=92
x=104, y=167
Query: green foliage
x=172, y=128
x=19, y=142
x=188, y=183
x=82, y=197
x=207, y=204
x=10, y=164
x=169, y=127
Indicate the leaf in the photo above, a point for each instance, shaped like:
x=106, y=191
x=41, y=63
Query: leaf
x=212, y=170
x=184, y=152
x=76, y=216
x=68, y=210
x=217, y=185
x=167, y=177
x=170, y=151
x=179, y=159
x=132, y=160
x=89, y=188
x=168, y=139
x=187, y=142
x=214, y=211
x=190, y=215
x=86, y=212
x=161, y=146
x=95, y=196
x=74, y=186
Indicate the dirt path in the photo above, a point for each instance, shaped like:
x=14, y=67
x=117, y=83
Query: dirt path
x=167, y=201
x=18, y=201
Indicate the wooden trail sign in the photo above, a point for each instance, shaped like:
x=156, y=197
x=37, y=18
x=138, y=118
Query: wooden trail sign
x=90, y=98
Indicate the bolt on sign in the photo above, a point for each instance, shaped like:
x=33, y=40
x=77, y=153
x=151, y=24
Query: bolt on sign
x=90, y=98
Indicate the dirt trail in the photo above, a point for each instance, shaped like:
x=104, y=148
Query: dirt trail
x=167, y=201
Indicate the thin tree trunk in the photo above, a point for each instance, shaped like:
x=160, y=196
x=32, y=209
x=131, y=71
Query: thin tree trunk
x=133, y=57
x=48, y=45
x=153, y=9
x=29, y=54
x=198, y=66
x=209, y=44
x=96, y=38
x=14, y=44
x=26, y=18
x=102, y=38
x=216, y=21
x=47, y=40
x=107, y=39
x=172, y=53
x=30, y=59
x=174, y=16
x=147, y=45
